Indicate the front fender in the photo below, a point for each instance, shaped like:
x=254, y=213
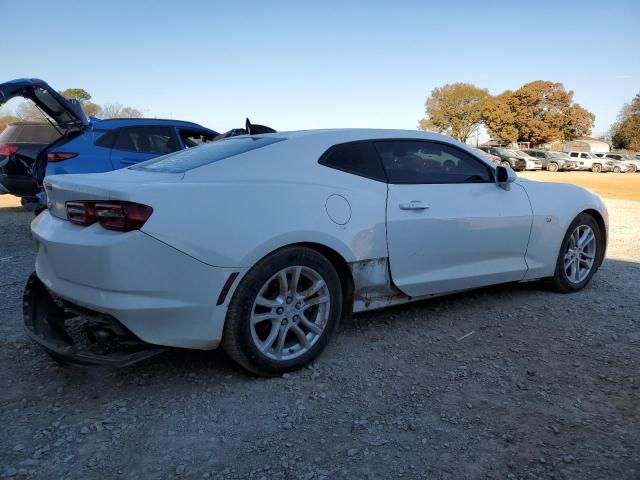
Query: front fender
x=554, y=207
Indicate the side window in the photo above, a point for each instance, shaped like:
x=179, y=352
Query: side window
x=430, y=162
x=193, y=138
x=359, y=158
x=108, y=139
x=584, y=155
x=154, y=140
x=574, y=154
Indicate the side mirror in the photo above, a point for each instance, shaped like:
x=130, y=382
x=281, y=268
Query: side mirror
x=505, y=176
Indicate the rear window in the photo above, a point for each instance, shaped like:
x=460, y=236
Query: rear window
x=9, y=134
x=185, y=160
x=44, y=134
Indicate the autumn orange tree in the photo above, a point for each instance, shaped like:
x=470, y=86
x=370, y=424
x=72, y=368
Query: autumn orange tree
x=455, y=109
x=625, y=133
x=537, y=112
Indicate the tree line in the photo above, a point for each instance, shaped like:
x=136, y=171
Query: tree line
x=28, y=111
x=625, y=132
x=537, y=112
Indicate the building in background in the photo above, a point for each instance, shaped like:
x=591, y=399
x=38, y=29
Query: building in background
x=587, y=144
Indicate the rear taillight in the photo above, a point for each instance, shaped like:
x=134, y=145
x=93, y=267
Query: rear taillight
x=8, y=150
x=118, y=216
x=81, y=213
x=60, y=156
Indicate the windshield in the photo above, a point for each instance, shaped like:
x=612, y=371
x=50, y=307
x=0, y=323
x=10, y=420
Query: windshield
x=184, y=160
x=513, y=153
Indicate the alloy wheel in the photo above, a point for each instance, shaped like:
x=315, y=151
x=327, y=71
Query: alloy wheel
x=580, y=254
x=290, y=313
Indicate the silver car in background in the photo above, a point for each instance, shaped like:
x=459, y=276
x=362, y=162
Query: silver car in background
x=533, y=163
x=631, y=161
x=554, y=161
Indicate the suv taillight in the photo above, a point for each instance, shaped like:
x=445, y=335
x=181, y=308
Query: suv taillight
x=8, y=150
x=117, y=215
x=60, y=156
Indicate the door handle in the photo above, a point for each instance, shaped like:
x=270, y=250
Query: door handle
x=414, y=205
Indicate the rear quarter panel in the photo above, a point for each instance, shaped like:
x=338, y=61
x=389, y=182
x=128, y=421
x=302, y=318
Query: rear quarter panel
x=234, y=212
x=90, y=159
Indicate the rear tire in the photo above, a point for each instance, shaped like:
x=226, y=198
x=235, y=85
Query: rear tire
x=552, y=167
x=596, y=168
x=566, y=279
x=632, y=169
x=617, y=169
x=275, y=324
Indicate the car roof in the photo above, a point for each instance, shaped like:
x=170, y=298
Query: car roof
x=126, y=122
x=343, y=135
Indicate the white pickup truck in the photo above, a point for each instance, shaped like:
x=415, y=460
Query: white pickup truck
x=596, y=164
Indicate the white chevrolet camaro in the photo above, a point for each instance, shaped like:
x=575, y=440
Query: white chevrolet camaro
x=262, y=243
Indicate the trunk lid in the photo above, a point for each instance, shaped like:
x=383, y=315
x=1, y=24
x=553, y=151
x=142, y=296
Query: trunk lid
x=125, y=185
x=68, y=114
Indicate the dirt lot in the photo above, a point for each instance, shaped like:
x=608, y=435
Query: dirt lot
x=542, y=386
x=610, y=185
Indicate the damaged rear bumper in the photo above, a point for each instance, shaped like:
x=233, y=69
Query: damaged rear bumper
x=74, y=334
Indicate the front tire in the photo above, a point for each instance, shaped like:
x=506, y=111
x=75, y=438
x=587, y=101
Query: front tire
x=596, y=168
x=284, y=312
x=632, y=169
x=580, y=255
x=552, y=167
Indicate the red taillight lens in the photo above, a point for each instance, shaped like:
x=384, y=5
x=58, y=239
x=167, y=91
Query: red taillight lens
x=122, y=216
x=60, y=156
x=8, y=150
x=81, y=213
x=118, y=216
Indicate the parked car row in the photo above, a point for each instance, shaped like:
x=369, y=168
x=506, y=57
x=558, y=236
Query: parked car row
x=606, y=162
x=532, y=159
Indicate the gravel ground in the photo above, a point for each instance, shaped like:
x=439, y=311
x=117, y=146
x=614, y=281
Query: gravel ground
x=506, y=382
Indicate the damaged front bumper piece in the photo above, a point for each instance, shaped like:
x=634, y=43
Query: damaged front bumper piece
x=70, y=333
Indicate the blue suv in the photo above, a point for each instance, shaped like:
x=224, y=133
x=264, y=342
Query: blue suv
x=83, y=145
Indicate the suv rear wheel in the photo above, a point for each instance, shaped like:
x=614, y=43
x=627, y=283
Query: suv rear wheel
x=596, y=168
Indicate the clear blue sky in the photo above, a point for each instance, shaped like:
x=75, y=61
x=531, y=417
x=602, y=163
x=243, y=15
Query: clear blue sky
x=315, y=64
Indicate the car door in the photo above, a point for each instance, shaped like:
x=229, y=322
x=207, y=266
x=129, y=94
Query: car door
x=137, y=144
x=449, y=225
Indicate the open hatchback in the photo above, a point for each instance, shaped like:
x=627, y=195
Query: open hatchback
x=23, y=163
